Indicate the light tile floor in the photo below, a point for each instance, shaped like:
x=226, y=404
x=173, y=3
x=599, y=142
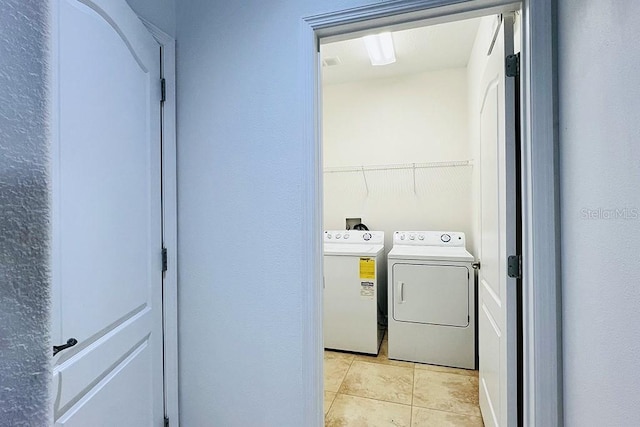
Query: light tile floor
x=369, y=391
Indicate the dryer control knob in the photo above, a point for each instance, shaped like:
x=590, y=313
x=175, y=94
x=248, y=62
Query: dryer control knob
x=338, y=235
x=402, y=237
x=420, y=236
x=445, y=238
x=412, y=237
x=346, y=236
x=328, y=235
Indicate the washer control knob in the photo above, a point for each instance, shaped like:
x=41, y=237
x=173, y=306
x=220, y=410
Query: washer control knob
x=412, y=237
x=338, y=235
x=345, y=236
x=420, y=236
x=445, y=238
x=402, y=237
x=366, y=236
x=328, y=235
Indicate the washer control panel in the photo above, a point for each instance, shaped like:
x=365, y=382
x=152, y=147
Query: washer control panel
x=354, y=236
x=429, y=238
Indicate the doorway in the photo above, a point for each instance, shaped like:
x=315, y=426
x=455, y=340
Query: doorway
x=398, y=141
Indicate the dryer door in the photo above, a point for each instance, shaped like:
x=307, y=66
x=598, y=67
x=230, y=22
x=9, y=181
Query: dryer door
x=434, y=294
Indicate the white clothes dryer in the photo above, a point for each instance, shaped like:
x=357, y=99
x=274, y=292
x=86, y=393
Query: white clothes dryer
x=431, y=299
x=355, y=290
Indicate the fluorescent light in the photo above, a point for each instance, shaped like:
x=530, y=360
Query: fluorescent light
x=380, y=49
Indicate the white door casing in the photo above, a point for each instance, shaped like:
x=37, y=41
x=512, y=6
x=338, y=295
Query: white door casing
x=497, y=328
x=542, y=385
x=106, y=259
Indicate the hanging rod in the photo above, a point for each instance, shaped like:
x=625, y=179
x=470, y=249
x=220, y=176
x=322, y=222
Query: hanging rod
x=407, y=166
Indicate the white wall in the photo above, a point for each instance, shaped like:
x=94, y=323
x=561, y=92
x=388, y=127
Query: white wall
x=414, y=118
x=417, y=118
x=599, y=88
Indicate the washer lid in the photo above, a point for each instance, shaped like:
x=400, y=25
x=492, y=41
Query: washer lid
x=430, y=253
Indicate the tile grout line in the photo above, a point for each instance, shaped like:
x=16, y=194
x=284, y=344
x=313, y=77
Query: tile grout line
x=377, y=400
x=330, y=406
x=413, y=391
x=339, y=387
x=345, y=375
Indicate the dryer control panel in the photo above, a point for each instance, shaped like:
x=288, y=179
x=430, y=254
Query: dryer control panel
x=452, y=239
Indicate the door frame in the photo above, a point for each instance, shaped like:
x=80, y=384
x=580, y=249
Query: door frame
x=169, y=223
x=541, y=304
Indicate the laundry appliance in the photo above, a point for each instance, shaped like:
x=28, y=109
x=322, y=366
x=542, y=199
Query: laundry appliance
x=355, y=290
x=431, y=299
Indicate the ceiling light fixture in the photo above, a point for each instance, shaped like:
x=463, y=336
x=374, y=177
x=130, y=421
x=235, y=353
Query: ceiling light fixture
x=380, y=49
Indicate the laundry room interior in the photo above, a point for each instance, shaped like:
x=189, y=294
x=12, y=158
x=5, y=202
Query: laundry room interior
x=401, y=156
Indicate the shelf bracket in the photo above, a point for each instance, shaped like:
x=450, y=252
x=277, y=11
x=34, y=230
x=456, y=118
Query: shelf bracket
x=364, y=177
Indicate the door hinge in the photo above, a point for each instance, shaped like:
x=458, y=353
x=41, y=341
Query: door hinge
x=512, y=65
x=163, y=90
x=164, y=259
x=166, y=421
x=514, y=266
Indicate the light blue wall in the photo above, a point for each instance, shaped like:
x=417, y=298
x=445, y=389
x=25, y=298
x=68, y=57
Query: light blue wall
x=161, y=13
x=599, y=88
x=240, y=173
x=25, y=351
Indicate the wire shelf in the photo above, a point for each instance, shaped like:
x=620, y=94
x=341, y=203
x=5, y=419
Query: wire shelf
x=400, y=166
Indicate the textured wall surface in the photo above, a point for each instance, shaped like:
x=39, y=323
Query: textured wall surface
x=25, y=350
x=599, y=93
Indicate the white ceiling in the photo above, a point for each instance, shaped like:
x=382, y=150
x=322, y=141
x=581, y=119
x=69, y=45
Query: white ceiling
x=431, y=48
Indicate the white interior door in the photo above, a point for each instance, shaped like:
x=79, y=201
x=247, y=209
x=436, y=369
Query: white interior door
x=106, y=226
x=497, y=292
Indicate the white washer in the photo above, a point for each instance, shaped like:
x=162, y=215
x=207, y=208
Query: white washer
x=355, y=290
x=431, y=299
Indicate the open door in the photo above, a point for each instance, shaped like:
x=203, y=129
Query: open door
x=497, y=321
x=107, y=265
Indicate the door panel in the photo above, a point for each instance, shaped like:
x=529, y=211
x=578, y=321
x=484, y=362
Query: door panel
x=107, y=219
x=497, y=292
x=434, y=294
x=107, y=404
x=489, y=364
